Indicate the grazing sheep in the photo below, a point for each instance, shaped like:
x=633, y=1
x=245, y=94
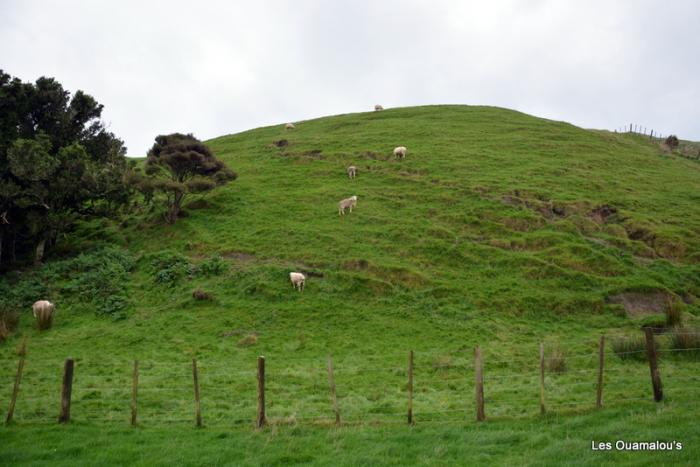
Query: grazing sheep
x=289, y=126
x=297, y=280
x=352, y=171
x=378, y=107
x=43, y=312
x=350, y=202
x=400, y=152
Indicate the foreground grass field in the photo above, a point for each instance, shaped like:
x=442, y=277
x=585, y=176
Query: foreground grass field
x=548, y=441
x=499, y=229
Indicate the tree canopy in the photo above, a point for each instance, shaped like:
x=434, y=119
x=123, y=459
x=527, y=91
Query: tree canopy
x=179, y=165
x=58, y=162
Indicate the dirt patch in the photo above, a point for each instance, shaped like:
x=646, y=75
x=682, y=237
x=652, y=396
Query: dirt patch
x=641, y=303
x=282, y=143
x=601, y=214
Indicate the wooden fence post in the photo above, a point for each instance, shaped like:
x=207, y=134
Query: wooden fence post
x=261, y=421
x=479, y=383
x=410, y=388
x=331, y=382
x=653, y=367
x=134, y=393
x=601, y=366
x=542, y=407
x=197, y=405
x=630, y=128
x=18, y=380
x=66, y=389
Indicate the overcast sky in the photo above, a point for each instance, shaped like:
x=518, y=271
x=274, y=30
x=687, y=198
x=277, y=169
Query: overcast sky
x=219, y=67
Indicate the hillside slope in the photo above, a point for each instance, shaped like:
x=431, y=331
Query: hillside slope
x=499, y=229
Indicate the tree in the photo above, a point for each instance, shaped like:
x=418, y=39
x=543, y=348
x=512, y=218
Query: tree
x=180, y=165
x=57, y=163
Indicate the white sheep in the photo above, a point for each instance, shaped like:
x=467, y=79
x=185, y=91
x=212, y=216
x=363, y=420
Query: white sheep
x=289, y=126
x=42, y=307
x=43, y=314
x=350, y=202
x=297, y=280
x=352, y=171
x=378, y=107
x=400, y=152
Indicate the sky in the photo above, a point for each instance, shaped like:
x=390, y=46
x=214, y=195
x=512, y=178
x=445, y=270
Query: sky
x=219, y=67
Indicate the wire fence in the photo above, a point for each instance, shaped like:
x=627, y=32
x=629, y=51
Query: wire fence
x=431, y=387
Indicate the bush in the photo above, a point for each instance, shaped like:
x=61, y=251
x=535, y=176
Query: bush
x=99, y=278
x=687, y=341
x=213, y=266
x=631, y=348
x=672, y=141
x=201, y=295
x=169, y=267
x=556, y=362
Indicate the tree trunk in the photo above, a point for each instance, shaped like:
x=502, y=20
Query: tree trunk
x=39, y=252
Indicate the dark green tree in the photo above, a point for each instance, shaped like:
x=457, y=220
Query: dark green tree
x=180, y=165
x=58, y=163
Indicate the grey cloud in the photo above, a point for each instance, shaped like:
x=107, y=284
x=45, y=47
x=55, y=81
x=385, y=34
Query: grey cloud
x=218, y=67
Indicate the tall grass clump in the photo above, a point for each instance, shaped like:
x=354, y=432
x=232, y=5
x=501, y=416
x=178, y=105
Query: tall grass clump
x=631, y=347
x=556, y=361
x=686, y=341
x=674, y=312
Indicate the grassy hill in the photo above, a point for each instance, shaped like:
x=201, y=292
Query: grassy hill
x=498, y=229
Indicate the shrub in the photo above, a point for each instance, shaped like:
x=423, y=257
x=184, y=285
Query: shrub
x=556, y=362
x=672, y=141
x=674, y=312
x=213, y=266
x=687, y=341
x=631, y=348
x=99, y=278
x=201, y=295
x=169, y=267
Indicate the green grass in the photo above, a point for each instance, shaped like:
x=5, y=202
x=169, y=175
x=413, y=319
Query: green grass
x=485, y=234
